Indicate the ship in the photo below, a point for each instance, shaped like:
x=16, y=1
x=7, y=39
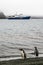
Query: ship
x=16, y=17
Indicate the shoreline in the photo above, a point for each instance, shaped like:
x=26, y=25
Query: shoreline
x=28, y=61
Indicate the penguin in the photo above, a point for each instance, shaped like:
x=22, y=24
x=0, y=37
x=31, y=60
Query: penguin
x=23, y=54
x=36, y=52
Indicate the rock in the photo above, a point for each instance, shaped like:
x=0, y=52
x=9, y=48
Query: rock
x=2, y=16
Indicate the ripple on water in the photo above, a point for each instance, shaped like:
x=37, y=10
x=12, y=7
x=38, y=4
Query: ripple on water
x=20, y=34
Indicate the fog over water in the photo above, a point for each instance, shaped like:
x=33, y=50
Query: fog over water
x=15, y=34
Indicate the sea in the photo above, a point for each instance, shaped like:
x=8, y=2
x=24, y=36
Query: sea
x=16, y=34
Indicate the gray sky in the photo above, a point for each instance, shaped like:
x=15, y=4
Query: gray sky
x=28, y=7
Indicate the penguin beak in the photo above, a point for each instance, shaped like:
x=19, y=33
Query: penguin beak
x=19, y=49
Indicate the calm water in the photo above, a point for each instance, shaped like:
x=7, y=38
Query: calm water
x=15, y=34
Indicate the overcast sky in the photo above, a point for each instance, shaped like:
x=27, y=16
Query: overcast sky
x=28, y=7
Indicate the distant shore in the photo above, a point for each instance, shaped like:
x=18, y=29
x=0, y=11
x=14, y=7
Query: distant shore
x=3, y=16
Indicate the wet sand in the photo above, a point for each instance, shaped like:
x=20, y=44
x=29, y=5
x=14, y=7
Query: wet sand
x=28, y=61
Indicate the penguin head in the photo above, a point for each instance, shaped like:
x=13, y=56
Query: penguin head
x=21, y=49
x=35, y=48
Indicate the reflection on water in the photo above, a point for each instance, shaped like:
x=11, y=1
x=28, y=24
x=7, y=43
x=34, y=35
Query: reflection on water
x=20, y=34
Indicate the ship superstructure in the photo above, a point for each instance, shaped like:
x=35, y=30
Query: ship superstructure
x=18, y=17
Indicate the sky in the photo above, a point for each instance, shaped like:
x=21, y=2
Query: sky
x=26, y=7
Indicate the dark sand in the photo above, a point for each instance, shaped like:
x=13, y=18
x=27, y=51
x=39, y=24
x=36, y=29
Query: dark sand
x=29, y=61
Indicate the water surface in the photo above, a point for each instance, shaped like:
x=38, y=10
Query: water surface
x=15, y=34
